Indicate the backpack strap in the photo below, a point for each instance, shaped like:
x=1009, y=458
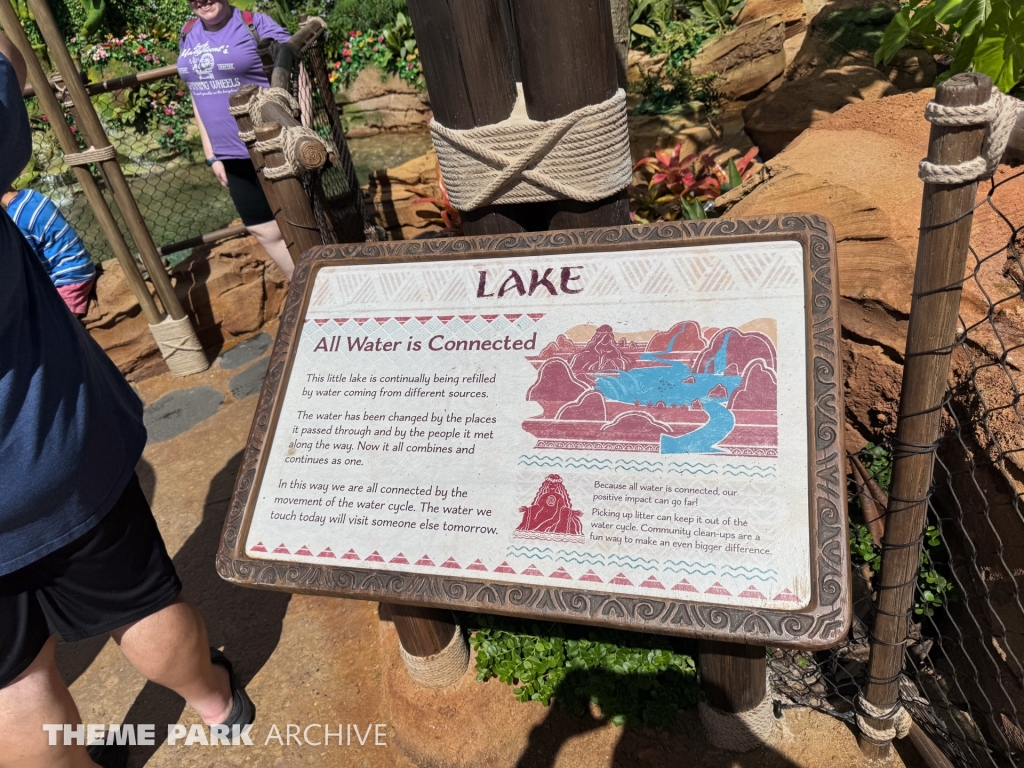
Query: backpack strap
x=247, y=19
x=187, y=28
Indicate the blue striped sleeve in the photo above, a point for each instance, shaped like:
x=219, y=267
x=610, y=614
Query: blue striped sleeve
x=56, y=244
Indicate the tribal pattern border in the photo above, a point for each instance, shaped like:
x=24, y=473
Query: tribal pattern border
x=820, y=625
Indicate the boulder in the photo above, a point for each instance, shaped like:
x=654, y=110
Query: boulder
x=229, y=291
x=793, y=13
x=373, y=103
x=746, y=58
x=391, y=195
x=782, y=113
x=912, y=69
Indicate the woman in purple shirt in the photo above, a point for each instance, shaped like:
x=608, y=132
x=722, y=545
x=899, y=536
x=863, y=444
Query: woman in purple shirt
x=217, y=57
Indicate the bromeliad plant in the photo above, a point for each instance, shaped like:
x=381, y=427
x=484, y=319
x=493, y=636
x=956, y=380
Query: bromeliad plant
x=676, y=187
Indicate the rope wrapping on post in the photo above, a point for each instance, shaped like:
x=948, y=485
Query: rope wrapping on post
x=180, y=346
x=287, y=142
x=444, y=668
x=1000, y=113
x=740, y=731
x=897, y=720
x=583, y=156
x=91, y=155
x=254, y=109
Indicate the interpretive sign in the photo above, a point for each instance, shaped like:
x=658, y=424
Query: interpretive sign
x=635, y=426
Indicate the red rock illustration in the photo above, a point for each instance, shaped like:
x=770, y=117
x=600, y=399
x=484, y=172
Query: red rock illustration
x=555, y=385
x=719, y=391
x=684, y=336
x=560, y=346
x=551, y=515
x=587, y=407
x=759, y=390
x=742, y=349
x=635, y=425
x=602, y=353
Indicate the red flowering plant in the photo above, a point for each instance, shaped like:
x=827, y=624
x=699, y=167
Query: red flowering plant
x=443, y=214
x=673, y=186
x=391, y=50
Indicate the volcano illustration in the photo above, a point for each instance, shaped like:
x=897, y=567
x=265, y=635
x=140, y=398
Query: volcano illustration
x=551, y=515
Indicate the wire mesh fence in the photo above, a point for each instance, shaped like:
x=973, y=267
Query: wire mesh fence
x=962, y=678
x=150, y=125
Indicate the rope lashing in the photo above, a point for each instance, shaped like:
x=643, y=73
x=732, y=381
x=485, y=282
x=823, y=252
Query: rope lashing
x=897, y=720
x=999, y=113
x=254, y=109
x=580, y=156
x=91, y=155
x=180, y=346
x=740, y=731
x=444, y=668
x=296, y=161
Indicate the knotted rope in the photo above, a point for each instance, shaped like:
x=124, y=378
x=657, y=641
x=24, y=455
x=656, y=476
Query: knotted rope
x=446, y=667
x=254, y=109
x=897, y=719
x=297, y=160
x=740, y=731
x=999, y=113
x=180, y=346
x=91, y=155
x=580, y=156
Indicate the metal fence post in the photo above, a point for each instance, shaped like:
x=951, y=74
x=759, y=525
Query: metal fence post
x=946, y=216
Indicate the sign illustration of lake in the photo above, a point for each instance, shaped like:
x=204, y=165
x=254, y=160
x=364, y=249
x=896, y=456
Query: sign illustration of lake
x=634, y=422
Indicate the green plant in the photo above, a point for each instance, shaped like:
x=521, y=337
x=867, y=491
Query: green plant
x=717, y=15
x=980, y=35
x=362, y=14
x=633, y=679
x=933, y=589
x=677, y=187
x=392, y=50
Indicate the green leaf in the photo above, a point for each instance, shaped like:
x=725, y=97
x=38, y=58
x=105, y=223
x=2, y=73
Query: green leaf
x=1000, y=52
x=643, y=30
x=894, y=37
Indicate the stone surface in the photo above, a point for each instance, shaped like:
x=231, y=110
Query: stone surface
x=392, y=194
x=250, y=381
x=648, y=133
x=179, y=411
x=782, y=113
x=245, y=352
x=229, y=291
x=793, y=13
x=374, y=104
x=746, y=58
x=911, y=70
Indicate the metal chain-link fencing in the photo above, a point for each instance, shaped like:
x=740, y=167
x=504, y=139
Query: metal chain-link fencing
x=963, y=669
x=151, y=126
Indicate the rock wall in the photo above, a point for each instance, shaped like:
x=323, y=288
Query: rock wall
x=374, y=104
x=229, y=291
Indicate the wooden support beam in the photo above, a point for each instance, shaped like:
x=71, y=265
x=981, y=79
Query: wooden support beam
x=732, y=676
x=567, y=58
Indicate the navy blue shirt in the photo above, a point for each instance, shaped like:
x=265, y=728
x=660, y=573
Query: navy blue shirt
x=71, y=428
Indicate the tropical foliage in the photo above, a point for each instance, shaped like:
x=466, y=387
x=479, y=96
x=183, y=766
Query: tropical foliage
x=979, y=35
x=674, y=186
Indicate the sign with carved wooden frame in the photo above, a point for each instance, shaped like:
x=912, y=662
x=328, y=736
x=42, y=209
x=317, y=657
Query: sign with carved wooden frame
x=637, y=427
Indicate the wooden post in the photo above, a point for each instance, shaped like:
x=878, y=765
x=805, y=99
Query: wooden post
x=94, y=134
x=567, y=58
x=734, y=680
x=68, y=145
x=244, y=122
x=941, y=260
x=468, y=65
x=302, y=230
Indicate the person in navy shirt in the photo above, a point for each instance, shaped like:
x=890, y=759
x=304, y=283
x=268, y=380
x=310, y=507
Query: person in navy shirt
x=80, y=553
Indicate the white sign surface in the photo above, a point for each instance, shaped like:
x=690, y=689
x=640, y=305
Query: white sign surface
x=631, y=422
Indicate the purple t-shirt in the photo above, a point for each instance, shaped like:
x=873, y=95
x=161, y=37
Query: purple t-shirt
x=215, y=65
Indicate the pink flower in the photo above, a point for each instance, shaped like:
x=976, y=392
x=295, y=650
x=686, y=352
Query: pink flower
x=352, y=33
x=168, y=111
x=380, y=39
x=73, y=129
x=376, y=48
x=46, y=119
x=170, y=132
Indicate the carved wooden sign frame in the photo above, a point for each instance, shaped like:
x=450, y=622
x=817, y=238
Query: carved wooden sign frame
x=759, y=394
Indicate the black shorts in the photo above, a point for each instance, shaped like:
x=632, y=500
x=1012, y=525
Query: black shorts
x=116, y=573
x=246, y=192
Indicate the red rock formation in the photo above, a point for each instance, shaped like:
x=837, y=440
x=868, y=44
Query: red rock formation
x=758, y=392
x=555, y=385
x=587, y=407
x=682, y=337
x=742, y=349
x=551, y=515
x=601, y=353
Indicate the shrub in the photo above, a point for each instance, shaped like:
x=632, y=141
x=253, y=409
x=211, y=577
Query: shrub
x=634, y=679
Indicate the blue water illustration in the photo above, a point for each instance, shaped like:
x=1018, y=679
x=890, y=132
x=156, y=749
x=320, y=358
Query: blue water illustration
x=672, y=383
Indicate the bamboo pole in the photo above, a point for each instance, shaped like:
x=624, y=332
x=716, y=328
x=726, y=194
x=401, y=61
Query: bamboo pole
x=117, y=83
x=93, y=131
x=68, y=145
x=946, y=216
x=210, y=237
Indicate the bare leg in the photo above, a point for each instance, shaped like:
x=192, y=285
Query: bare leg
x=38, y=695
x=170, y=648
x=269, y=236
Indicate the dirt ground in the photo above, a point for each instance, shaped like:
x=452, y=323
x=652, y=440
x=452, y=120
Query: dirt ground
x=311, y=661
